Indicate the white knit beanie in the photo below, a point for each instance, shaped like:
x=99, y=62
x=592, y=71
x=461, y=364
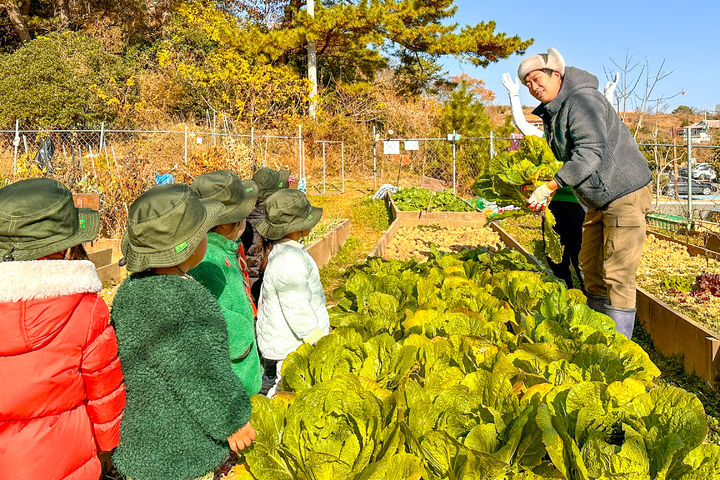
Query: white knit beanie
x=551, y=60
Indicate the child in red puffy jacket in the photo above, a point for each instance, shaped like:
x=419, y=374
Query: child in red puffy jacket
x=61, y=386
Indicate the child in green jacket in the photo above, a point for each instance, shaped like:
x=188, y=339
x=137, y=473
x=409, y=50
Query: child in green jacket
x=185, y=406
x=220, y=274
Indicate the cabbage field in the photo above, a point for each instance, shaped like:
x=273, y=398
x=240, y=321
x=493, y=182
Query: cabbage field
x=473, y=366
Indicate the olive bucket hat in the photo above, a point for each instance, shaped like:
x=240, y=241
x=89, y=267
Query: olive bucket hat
x=165, y=226
x=38, y=218
x=270, y=181
x=225, y=186
x=288, y=211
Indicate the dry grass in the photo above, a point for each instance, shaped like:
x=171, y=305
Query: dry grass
x=368, y=220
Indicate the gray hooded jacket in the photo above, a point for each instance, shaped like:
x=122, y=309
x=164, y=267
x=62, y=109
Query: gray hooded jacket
x=601, y=159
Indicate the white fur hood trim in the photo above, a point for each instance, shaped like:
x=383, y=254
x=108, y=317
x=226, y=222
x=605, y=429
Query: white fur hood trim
x=39, y=279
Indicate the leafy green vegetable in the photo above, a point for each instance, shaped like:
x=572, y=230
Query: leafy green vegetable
x=474, y=365
x=510, y=178
x=415, y=199
x=553, y=247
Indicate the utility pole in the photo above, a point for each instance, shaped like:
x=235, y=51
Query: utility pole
x=312, y=65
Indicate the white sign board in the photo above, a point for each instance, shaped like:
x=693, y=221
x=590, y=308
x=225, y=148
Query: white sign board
x=412, y=145
x=198, y=140
x=391, y=147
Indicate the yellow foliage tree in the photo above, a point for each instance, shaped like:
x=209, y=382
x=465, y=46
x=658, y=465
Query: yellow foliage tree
x=206, y=53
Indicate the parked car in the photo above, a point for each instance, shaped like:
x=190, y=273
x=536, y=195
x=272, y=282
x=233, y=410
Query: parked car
x=699, y=187
x=701, y=171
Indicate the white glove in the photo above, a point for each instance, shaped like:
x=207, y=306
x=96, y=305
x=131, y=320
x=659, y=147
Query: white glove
x=513, y=87
x=610, y=87
x=540, y=197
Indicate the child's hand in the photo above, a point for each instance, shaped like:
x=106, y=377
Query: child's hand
x=242, y=438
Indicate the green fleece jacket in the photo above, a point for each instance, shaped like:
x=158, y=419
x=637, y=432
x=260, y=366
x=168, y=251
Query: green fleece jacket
x=183, y=399
x=219, y=273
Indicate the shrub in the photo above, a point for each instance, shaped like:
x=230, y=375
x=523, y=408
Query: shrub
x=51, y=82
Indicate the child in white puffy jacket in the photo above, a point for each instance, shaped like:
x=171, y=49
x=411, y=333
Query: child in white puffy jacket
x=292, y=307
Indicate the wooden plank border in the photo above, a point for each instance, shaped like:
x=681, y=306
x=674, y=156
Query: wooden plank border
x=693, y=250
x=394, y=213
x=674, y=333
x=325, y=248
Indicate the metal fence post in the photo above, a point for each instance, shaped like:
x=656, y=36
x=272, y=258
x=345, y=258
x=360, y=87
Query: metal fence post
x=342, y=167
x=185, y=155
x=323, y=165
x=492, y=145
x=374, y=140
x=689, y=175
x=213, y=129
x=16, y=143
x=301, y=174
x=102, y=137
x=453, y=163
x=265, y=153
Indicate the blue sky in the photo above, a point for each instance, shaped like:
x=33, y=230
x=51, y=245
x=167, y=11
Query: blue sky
x=588, y=34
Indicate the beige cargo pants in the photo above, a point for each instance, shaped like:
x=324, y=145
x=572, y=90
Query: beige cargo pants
x=612, y=244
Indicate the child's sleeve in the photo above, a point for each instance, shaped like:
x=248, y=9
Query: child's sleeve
x=295, y=295
x=103, y=378
x=240, y=337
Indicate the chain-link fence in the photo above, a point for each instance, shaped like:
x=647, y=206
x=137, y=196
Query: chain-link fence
x=453, y=162
x=121, y=164
x=687, y=194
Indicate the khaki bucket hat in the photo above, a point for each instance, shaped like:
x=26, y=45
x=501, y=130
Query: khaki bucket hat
x=288, y=211
x=165, y=226
x=238, y=196
x=270, y=181
x=38, y=218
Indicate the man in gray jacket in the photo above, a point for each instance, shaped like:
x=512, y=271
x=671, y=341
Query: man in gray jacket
x=607, y=172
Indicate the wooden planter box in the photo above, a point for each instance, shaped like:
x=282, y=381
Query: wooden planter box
x=693, y=250
x=324, y=249
x=387, y=236
x=87, y=200
x=676, y=334
x=105, y=254
x=394, y=213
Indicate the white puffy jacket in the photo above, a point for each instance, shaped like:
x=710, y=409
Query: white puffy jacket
x=292, y=301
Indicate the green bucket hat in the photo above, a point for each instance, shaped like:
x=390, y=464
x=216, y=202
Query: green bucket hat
x=270, y=181
x=288, y=211
x=225, y=186
x=165, y=226
x=38, y=218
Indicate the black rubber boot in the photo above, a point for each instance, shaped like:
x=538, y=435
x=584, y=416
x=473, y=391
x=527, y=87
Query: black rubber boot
x=597, y=303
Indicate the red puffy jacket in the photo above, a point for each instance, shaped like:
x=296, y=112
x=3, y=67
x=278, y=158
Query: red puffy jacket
x=61, y=387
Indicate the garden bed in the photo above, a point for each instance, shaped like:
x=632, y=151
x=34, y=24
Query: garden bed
x=416, y=238
x=324, y=248
x=471, y=365
x=431, y=215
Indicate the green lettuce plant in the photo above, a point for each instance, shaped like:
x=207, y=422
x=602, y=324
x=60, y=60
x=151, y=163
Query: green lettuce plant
x=512, y=176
